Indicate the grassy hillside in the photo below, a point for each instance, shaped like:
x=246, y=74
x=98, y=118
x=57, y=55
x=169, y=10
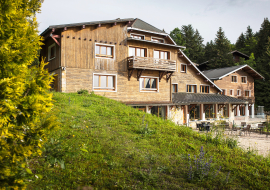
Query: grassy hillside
x=104, y=144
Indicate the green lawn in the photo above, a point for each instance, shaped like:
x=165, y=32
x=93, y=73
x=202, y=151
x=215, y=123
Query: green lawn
x=104, y=144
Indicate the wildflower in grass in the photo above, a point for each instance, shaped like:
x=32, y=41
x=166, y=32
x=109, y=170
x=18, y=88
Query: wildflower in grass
x=73, y=135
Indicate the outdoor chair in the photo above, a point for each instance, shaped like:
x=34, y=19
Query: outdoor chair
x=246, y=129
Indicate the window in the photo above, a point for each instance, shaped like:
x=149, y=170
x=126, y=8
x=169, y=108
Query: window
x=183, y=68
x=225, y=111
x=51, y=52
x=192, y=88
x=238, y=92
x=104, y=51
x=223, y=92
x=161, y=54
x=234, y=78
x=209, y=111
x=244, y=80
x=231, y=92
x=104, y=82
x=159, y=40
x=247, y=93
x=135, y=51
x=242, y=110
x=174, y=88
x=194, y=111
x=149, y=84
x=159, y=111
x=204, y=89
x=137, y=36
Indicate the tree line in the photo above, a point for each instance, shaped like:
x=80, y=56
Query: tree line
x=216, y=53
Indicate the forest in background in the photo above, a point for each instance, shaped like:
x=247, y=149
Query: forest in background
x=217, y=52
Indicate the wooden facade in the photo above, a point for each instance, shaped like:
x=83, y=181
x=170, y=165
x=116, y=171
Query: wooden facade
x=138, y=66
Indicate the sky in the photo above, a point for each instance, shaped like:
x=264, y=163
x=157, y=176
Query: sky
x=234, y=16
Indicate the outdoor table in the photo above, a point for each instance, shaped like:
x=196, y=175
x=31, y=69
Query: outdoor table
x=206, y=127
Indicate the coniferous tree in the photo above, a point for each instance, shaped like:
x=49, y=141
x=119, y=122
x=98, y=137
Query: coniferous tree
x=262, y=88
x=191, y=39
x=240, y=43
x=221, y=54
x=25, y=102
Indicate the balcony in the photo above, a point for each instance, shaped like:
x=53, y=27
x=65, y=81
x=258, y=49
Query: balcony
x=150, y=63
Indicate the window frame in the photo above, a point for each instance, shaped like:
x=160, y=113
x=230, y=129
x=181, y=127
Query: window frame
x=191, y=85
x=232, y=90
x=135, y=34
x=149, y=90
x=145, y=50
x=211, y=115
x=153, y=37
x=49, y=52
x=191, y=115
x=182, y=64
x=249, y=91
x=205, y=86
x=168, y=56
x=238, y=90
x=235, y=78
x=106, y=45
x=245, y=79
x=104, y=90
x=176, y=87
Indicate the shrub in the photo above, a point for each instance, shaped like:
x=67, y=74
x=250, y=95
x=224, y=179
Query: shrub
x=83, y=92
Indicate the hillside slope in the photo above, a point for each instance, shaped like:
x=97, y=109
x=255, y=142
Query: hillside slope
x=104, y=144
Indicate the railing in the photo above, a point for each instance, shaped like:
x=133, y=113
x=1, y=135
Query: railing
x=151, y=63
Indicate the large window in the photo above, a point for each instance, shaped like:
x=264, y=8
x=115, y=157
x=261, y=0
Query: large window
x=194, y=111
x=51, y=52
x=159, y=111
x=174, y=88
x=209, y=111
x=234, y=78
x=135, y=51
x=149, y=84
x=104, y=51
x=161, y=54
x=104, y=82
x=204, y=89
x=192, y=88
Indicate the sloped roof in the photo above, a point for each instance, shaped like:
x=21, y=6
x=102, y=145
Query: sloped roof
x=138, y=23
x=236, y=51
x=87, y=23
x=216, y=74
x=181, y=98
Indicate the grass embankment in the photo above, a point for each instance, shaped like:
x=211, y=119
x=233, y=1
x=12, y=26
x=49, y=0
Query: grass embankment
x=103, y=144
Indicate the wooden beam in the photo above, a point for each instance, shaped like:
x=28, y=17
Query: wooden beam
x=206, y=106
x=65, y=28
x=139, y=74
x=83, y=26
x=198, y=73
x=161, y=74
x=114, y=24
x=220, y=106
x=55, y=36
x=192, y=106
x=130, y=72
x=98, y=25
x=168, y=76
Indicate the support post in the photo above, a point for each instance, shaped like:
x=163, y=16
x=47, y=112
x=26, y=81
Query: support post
x=246, y=113
x=202, y=112
x=252, y=111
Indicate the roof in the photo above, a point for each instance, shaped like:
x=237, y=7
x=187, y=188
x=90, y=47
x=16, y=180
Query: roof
x=87, y=24
x=236, y=51
x=138, y=23
x=216, y=74
x=196, y=98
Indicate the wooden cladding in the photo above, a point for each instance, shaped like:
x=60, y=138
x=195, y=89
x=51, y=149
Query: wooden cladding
x=151, y=63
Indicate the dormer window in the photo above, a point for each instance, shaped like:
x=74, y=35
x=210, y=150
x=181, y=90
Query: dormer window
x=159, y=40
x=137, y=36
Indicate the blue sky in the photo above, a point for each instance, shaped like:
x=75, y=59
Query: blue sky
x=206, y=15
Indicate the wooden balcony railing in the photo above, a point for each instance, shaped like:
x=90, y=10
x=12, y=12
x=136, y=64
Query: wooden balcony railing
x=151, y=63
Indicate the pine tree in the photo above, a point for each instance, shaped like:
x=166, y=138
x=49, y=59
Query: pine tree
x=241, y=43
x=221, y=52
x=25, y=102
x=176, y=35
